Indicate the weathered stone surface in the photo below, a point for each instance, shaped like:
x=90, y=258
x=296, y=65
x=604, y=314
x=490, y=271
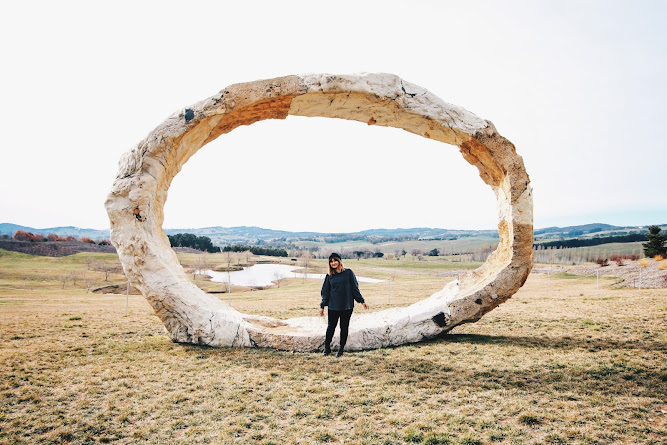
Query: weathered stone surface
x=136, y=202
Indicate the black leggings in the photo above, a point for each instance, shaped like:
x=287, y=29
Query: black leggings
x=344, y=325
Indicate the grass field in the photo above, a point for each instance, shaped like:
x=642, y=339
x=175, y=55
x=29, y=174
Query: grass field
x=571, y=365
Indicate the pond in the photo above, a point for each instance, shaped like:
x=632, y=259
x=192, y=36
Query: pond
x=266, y=274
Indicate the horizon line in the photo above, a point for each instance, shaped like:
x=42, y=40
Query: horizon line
x=330, y=232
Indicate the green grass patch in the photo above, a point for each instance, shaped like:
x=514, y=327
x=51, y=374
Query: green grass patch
x=5, y=302
x=570, y=276
x=530, y=419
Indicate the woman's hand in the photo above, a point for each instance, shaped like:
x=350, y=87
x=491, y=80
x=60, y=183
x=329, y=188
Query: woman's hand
x=365, y=305
x=321, y=312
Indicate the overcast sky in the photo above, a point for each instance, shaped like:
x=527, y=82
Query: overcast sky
x=578, y=86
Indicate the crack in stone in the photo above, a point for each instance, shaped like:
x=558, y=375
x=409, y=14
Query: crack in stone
x=408, y=94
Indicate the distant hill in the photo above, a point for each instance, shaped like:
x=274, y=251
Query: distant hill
x=586, y=231
x=242, y=234
x=585, y=228
x=257, y=235
x=251, y=235
x=10, y=229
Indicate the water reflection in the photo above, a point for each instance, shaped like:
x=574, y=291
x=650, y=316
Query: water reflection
x=267, y=274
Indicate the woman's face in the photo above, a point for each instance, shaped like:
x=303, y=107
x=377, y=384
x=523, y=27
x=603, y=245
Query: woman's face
x=333, y=262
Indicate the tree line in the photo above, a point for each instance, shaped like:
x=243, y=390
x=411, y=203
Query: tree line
x=595, y=241
x=256, y=250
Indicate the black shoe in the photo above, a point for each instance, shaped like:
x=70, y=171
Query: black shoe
x=340, y=352
x=327, y=351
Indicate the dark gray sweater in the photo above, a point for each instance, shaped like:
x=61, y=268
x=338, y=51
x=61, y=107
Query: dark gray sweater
x=340, y=290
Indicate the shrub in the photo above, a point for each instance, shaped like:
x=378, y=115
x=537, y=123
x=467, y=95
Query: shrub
x=662, y=265
x=85, y=239
x=471, y=440
x=436, y=439
x=602, y=262
x=618, y=259
x=644, y=262
x=530, y=419
x=413, y=435
x=22, y=235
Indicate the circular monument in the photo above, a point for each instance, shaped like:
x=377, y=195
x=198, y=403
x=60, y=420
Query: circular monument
x=136, y=210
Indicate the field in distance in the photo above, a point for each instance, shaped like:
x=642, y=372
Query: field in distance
x=562, y=361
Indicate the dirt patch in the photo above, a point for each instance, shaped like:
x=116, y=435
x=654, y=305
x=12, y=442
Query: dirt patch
x=116, y=289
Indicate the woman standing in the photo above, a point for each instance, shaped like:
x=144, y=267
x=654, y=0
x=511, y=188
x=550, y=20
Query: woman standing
x=339, y=291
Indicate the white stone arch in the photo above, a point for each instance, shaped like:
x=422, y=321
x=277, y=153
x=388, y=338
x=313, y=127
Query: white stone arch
x=136, y=210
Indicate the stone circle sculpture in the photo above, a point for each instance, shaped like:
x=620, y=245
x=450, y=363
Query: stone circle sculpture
x=136, y=210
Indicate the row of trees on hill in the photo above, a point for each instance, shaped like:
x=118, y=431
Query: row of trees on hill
x=655, y=245
x=22, y=235
x=367, y=254
x=655, y=242
x=256, y=250
x=595, y=241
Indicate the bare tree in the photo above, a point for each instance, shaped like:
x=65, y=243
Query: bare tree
x=74, y=275
x=306, y=256
x=230, y=258
x=106, y=269
x=277, y=278
x=89, y=282
x=200, y=264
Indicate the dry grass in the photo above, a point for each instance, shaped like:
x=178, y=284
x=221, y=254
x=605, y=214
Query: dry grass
x=567, y=366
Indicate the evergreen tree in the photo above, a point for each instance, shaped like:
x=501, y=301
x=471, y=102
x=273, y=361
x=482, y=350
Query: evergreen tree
x=656, y=243
x=202, y=243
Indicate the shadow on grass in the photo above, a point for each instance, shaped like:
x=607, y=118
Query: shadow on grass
x=551, y=342
x=478, y=369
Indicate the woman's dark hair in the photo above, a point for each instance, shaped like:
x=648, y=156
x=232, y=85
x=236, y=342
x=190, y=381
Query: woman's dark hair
x=340, y=264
